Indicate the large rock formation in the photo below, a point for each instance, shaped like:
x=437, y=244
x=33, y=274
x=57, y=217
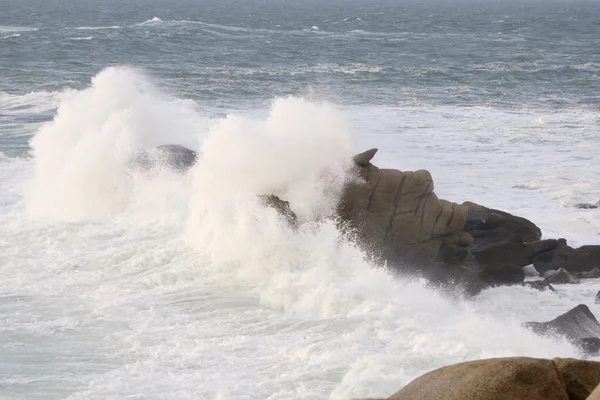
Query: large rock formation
x=582, y=259
x=397, y=214
x=516, y=378
x=579, y=326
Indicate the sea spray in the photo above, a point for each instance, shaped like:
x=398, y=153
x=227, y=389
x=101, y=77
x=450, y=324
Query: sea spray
x=81, y=156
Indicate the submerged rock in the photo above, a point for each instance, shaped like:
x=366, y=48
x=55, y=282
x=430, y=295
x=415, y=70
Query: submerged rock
x=172, y=156
x=539, y=285
x=579, y=326
x=560, y=277
x=587, y=206
x=517, y=378
x=281, y=206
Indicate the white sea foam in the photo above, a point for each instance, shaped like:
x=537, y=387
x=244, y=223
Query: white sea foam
x=11, y=29
x=94, y=28
x=178, y=286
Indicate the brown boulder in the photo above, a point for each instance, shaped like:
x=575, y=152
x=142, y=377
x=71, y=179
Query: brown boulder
x=398, y=216
x=517, y=378
x=493, y=379
x=581, y=259
x=580, y=377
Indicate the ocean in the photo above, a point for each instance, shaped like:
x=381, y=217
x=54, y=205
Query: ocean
x=119, y=285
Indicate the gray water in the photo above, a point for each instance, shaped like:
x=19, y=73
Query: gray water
x=171, y=286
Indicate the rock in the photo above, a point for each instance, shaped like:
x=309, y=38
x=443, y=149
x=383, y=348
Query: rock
x=281, y=206
x=582, y=259
x=593, y=274
x=539, y=285
x=397, y=214
x=502, y=274
x=173, y=156
x=500, y=238
x=559, y=277
x=580, y=377
x=517, y=378
x=595, y=395
x=597, y=300
x=589, y=345
x=454, y=279
x=578, y=326
x=587, y=206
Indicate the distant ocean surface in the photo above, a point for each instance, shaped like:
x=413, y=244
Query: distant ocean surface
x=169, y=286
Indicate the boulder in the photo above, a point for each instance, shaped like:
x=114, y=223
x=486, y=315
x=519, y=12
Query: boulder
x=502, y=274
x=172, y=156
x=579, y=326
x=597, y=300
x=593, y=274
x=580, y=377
x=281, y=206
x=587, y=206
x=517, y=378
x=500, y=238
x=581, y=259
x=559, y=277
x=398, y=216
x=539, y=285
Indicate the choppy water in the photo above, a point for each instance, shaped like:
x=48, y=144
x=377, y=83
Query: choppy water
x=122, y=286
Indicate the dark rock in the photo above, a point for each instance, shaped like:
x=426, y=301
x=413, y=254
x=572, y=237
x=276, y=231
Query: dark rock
x=575, y=326
x=589, y=345
x=517, y=378
x=587, y=206
x=454, y=279
x=502, y=274
x=539, y=285
x=593, y=274
x=597, y=300
x=172, y=156
x=559, y=277
x=581, y=259
x=500, y=238
x=282, y=207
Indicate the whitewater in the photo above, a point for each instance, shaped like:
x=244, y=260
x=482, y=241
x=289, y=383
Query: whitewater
x=119, y=283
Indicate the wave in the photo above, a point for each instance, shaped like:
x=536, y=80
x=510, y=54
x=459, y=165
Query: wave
x=30, y=103
x=14, y=35
x=11, y=29
x=82, y=38
x=93, y=28
x=81, y=156
x=154, y=20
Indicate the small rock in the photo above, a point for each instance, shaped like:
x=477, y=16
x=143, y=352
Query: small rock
x=587, y=206
x=579, y=326
x=597, y=298
x=560, y=277
x=593, y=274
x=539, y=285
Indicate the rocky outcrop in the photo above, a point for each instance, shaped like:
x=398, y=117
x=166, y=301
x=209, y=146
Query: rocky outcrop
x=560, y=277
x=281, y=206
x=581, y=259
x=579, y=326
x=500, y=238
x=397, y=214
x=516, y=378
x=171, y=156
x=399, y=219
